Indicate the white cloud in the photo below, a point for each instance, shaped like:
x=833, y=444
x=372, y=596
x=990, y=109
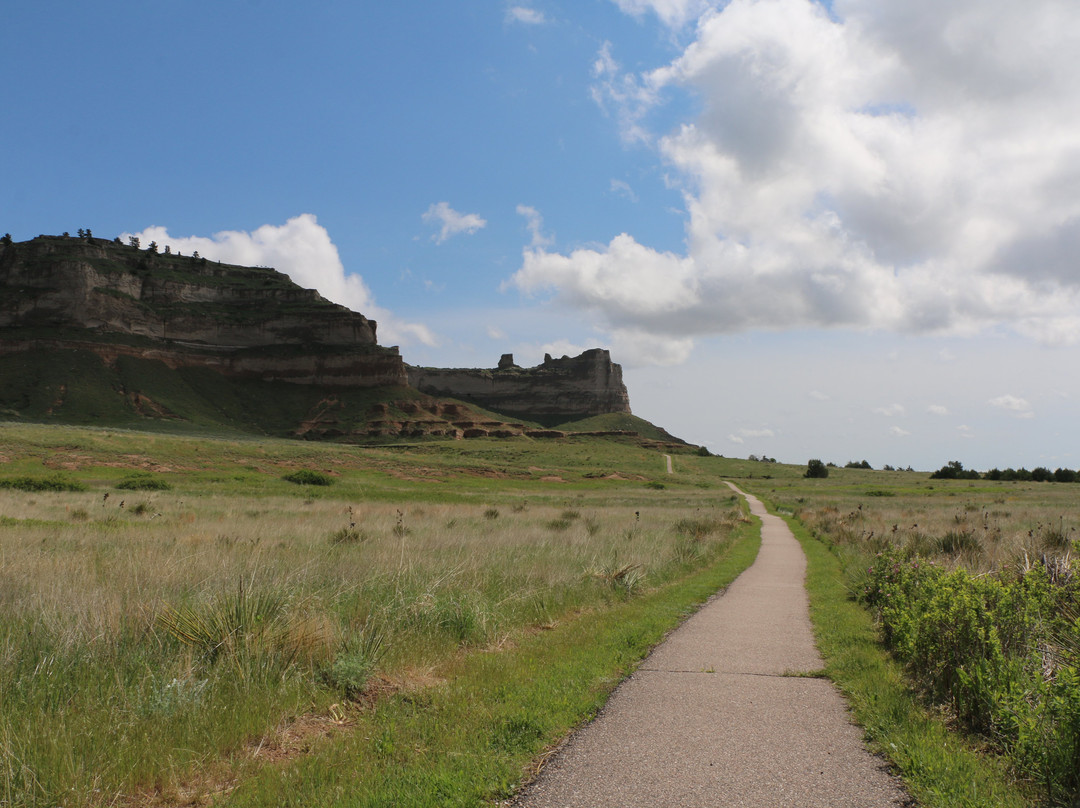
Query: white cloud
x=1019, y=407
x=635, y=347
x=673, y=13
x=622, y=94
x=562, y=347
x=525, y=15
x=891, y=411
x=450, y=222
x=898, y=432
x=817, y=395
x=898, y=165
x=535, y=223
x=937, y=409
x=735, y=439
x=496, y=333
x=302, y=249
x=623, y=189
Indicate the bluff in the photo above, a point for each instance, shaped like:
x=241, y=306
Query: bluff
x=118, y=300
x=550, y=393
x=101, y=332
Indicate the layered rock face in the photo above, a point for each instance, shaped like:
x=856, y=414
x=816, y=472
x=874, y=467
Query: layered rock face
x=110, y=298
x=558, y=390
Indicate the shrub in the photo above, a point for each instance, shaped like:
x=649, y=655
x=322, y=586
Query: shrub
x=1003, y=652
x=143, y=482
x=55, y=483
x=816, y=469
x=308, y=477
x=353, y=665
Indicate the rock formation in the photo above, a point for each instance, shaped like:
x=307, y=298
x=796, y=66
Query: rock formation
x=125, y=305
x=557, y=390
x=115, y=299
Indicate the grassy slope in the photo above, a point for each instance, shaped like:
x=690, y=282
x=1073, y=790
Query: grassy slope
x=618, y=421
x=75, y=387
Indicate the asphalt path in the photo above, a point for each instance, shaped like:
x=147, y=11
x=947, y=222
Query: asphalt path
x=719, y=715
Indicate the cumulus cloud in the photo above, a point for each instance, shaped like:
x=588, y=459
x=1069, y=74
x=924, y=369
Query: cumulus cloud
x=450, y=222
x=525, y=15
x=898, y=432
x=937, y=409
x=817, y=395
x=302, y=249
x=1018, y=407
x=894, y=165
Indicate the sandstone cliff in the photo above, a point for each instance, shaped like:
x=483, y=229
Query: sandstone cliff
x=556, y=391
x=113, y=299
x=96, y=331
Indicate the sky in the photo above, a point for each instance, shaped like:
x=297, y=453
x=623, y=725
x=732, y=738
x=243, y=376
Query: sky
x=846, y=230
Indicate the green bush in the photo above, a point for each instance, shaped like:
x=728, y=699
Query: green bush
x=308, y=477
x=1003, y=652
x=816, y=469
x=143, y=482
x=54, y=483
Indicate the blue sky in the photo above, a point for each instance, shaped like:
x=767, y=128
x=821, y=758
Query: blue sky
x=846, y=232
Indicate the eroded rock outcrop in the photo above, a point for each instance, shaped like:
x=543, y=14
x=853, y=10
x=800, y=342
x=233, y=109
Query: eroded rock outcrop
x=557, y=390
x=112, y=299
x=86, y=296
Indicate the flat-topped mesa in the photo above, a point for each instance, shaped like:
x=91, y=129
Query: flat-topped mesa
x=556, y=391
x=245, y=321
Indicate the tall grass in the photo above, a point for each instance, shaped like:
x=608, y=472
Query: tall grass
x=143, y=641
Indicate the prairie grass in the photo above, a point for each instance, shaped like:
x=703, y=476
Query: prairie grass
x=150, y=636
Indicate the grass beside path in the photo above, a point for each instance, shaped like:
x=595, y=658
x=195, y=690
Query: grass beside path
x=469, y=741
x=940, y=768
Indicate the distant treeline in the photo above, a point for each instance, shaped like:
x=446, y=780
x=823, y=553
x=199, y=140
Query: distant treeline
x=954, y=470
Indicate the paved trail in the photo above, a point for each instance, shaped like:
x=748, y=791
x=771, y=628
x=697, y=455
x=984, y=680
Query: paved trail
x=710, y=720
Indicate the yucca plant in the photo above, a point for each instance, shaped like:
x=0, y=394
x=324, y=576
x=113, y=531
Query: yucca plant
x=246, y=627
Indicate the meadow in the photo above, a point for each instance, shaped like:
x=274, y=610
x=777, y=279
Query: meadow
x=234, y=621
x=190, y=620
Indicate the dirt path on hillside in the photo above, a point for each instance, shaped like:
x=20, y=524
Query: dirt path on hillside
x=714, y=718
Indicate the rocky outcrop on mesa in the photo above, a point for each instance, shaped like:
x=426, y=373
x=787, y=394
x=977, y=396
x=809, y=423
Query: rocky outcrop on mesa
x=131, y=332
x=556, y=391
x=113, y=299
